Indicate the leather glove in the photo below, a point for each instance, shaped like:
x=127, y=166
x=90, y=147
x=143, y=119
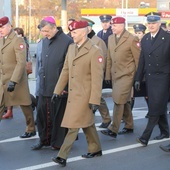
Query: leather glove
x=93, y=107
x=54, y=97
x=11, y=86
x=137, y=85
x=108, y=81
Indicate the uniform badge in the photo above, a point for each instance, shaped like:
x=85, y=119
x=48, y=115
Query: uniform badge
x=21, y=46
x=138, y=44
x=100, y=59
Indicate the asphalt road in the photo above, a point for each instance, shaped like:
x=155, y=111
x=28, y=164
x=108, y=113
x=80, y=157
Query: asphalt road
x=124, y=153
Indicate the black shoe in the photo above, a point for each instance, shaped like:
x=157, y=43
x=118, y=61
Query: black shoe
x=125, y=131
x=109, y=133
x=165, y=148
x=142, y=141
x=147, y=115
x=28, y=134
x=54, y=148
x=38, y=146
x=60, y=161
x=161, y=136
x=92, y=155
x=105, y=125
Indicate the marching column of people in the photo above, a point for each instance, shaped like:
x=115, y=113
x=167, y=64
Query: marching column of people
x=70, y=77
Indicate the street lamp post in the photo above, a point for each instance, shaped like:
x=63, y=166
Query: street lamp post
x=29, y=20
x=64, y=15
x=126, y=11
x=17, y=13
x=126, y=14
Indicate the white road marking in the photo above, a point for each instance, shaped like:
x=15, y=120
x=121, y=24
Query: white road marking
x=78, y=158
x=137, y=114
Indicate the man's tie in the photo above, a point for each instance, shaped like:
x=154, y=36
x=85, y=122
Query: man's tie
x=152, y=40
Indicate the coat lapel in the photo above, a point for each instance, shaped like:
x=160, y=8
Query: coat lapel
x=159, y=40
x=84, y=50
x=122, y=39
x=8, y=39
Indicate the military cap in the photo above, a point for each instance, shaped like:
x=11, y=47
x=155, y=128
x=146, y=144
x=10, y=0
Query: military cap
x=118, y=20
x=50, y=19
x=139, y=27
x=90, y=22
x=77, y=25
x=105, y=18
x=153, y=17
x=163, y=24
x=153, y=13
x=4, y=20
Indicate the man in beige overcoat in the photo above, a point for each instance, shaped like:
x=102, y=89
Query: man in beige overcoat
x=83, y=71
x=13, y=78
x=103, y=108
x=122, y=62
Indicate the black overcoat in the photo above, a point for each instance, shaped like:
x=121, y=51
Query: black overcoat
x=154, y=64
x=53, y=57
x=105, y=36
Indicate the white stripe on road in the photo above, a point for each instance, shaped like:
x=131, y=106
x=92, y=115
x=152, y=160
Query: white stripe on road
x=78, y=158
x=136, y=115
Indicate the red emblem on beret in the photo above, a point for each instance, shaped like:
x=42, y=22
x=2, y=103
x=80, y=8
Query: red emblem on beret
x=77, y=25
x=3, y=21
x=100, y=59
x=118, y=20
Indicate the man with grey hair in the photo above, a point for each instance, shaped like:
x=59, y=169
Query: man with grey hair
x=49, y=115
x=83, y=71
x=14, y=88
x=121, y=65
x=154, y=64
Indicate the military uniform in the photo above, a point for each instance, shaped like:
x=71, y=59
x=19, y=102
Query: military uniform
x=12, y=68
x=154, y=64
x=102, y=34
x=83, y=71
x=122, y=62
x=103, y=109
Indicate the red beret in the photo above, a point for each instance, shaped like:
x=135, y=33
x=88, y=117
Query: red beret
x=77, y=24
x=118, y=20
x=3, y=21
